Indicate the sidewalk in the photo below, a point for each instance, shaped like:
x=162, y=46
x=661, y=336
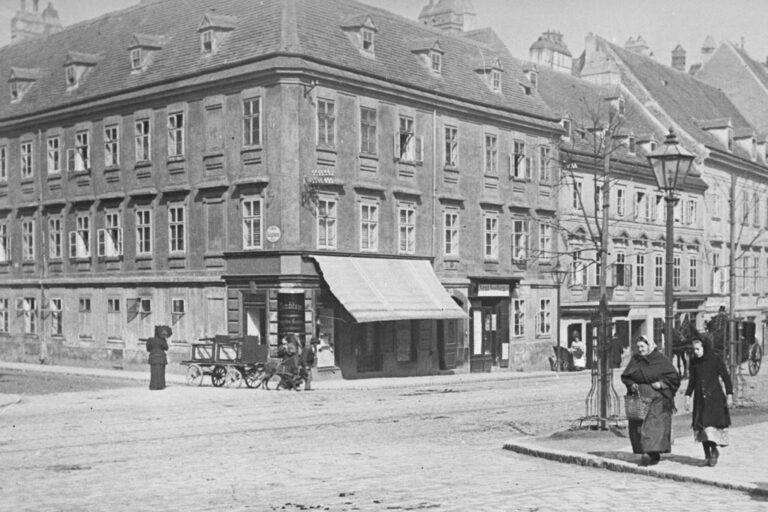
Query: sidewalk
x=743, y=465
x=319, y=381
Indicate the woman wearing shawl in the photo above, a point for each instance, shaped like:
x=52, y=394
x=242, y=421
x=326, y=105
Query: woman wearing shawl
x=711, y=419
x=652, y=375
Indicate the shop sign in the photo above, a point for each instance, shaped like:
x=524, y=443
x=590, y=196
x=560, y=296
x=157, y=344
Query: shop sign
x=273, y=234
x=290, y=313
x=492, y=290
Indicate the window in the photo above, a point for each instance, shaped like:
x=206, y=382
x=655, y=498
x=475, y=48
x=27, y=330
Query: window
x=545, y=164
x=79, y=160
x=715, y=205
x=578, y=272
x=206, y=41
x=326, y=223
x=756, y=209
x=28, y=240
x=692, y=273
x=55, y=233
x=745, y=209
x=4, y=315
x=176, y=231
x=491, y=154
x=640, y=270
x=658, y=271
x=143, y=232
x=451, y=232
x=690, y=212
x=326, y=123
x=533, y=77
x=136, y=58
x=114, y=322
x=142, y=140
x=252, y=122
x=84, y=317
x=368, y=130
x=491, y=235
x=3, y=163
x=178, y=309
x=5, y=243
x=660, y=212
x=57, y=326
x=576, y=195
x=15, y=88
x=598, y=198
x=80, y=239
x=110, y=242
x=544, y=318
x=26, y=159
x=252, y=224
x=406, y=220
x=621, y=270
x=54, y=155
x=518, y=317
x=27, y=307
x=176, y=134
x=71, y=75
x=496, y=80
x=521, y=162
x=451, y=148
x=567, y=128
x=631, y=145
x=436, y=60
x=717, y=273
x=519, y=240
x=621, y=201
x=369, y=226
x=368, y=39
x=408, y=147
x=111, y=146
x=730, y=139
x=545, y=242
x=676, y=271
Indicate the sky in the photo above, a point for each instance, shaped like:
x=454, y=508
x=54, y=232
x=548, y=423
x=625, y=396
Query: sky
x=662, y=23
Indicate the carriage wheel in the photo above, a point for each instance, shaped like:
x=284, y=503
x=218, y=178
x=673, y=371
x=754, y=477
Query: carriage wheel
x=253, y=376
x=194, y=375
x=755, y=358
x=217, y=375
x=233, y=377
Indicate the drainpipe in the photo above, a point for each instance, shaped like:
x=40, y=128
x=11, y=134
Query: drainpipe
x=43, y=254
x=434, y=182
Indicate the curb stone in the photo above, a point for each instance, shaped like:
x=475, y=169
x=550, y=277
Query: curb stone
x=585, y=459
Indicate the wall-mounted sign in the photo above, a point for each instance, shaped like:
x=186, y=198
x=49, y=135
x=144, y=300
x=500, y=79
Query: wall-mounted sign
x=492, y=290
x=290, y=313
x=273, y=234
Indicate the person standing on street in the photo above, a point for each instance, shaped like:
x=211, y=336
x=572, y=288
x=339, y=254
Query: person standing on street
x=157, y=346
x=652, y=375
x=308, y=361
x=711, y=418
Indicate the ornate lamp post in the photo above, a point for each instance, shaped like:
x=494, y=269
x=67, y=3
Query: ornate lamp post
x=559, y=275
x=671, y=164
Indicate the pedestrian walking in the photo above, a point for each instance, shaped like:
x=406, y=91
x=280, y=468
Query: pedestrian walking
x=711, y=418
x=308, y=361
x=650, y=374
x=157, y=346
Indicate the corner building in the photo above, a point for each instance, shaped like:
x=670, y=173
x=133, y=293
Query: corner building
x=318, y=167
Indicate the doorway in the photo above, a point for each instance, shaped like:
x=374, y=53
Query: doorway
x=490, y=335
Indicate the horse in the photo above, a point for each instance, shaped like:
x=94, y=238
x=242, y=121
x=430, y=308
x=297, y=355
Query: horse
x=682, y=345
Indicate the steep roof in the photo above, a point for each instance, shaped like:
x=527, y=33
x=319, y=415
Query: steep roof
x=309, y=29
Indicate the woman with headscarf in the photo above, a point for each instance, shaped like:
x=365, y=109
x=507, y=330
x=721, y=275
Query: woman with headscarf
x=650, y=374
x=711, y=418
x=157, y=346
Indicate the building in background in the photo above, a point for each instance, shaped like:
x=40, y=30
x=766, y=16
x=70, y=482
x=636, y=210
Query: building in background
x=257, y=169
x=30, y=22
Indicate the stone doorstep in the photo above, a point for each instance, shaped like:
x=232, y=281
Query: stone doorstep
x=526, y=447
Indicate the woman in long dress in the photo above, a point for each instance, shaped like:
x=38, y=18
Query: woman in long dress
x=711, y=418
x=652, y=375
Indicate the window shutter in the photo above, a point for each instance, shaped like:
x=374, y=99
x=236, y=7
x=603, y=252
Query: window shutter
x=119, y=241
x=527, y=168
x=396, y=145
x=72, y=244
x=419, y=149
x=70, y=160
x=511, y=165
x=101, y=245
x=132, y=311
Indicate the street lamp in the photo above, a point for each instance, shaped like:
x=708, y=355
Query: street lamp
x=671, y=165
x=559, y=275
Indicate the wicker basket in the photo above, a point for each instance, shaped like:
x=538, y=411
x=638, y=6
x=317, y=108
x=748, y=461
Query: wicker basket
x=636, y=407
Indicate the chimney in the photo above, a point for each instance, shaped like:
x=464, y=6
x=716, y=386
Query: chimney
x=638, y=46
x=707, y=49
x=678, y=58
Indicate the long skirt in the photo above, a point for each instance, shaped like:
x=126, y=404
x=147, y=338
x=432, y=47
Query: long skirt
x=156, y=376
x=654, y=433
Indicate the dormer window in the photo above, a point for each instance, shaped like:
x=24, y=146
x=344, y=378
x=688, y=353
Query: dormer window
x=489, y=67
x=631, y=145
x=753, y=149
x=567, y=127
x=653, y=145
x=533, y=77
x=76, y=67
x=15, y=92
x=71, y=75
x=730, y=139
x=621, y=106
x=437, y=62
x=496, y=80
x=20, y=81
x=361, y=32
x=142, y=48
x=213, y=30
x=136, y=58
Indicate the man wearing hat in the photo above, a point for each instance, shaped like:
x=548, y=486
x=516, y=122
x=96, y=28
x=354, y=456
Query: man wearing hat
x=308, y=360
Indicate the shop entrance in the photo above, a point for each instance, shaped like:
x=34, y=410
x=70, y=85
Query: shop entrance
x=490, y=334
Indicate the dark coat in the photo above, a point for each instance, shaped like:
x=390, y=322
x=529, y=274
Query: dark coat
x=654, y=433
x=710, y=408
x=156, y=346
x=308, y=357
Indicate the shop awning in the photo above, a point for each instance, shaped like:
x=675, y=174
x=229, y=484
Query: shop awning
x=380, y=289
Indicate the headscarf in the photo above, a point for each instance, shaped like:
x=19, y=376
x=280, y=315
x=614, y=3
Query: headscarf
x=706, y=344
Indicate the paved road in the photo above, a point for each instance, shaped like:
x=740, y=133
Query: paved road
x=437, y=448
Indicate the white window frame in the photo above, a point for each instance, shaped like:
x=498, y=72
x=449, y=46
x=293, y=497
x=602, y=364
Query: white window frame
x=491, y=235
x=408, y=146
x=451, y=232
x=112, y=145
x=53, y=153
x=369, y=225
x=56, y=309
x=576, y=194
x=55, y=237
x=545, y=241
x=545, y=164
x=27, y=307
x=144, y=232
x=136, y=59
x=252, y=121
x=544, y=318
x=676, y=271
x=495, y=80
x=491, y=154
x=368, y=124
x=451, y=146
x=28, y=239
x=110, y=238
x=5, y=241
x=326, y=122
x=640, y=270
x=327, y=222
x=178, y=308
x=26, y=159
x=252, y=215
x=658, y=270
x=521, y=163
x=177, y=229
x=207, y=42
x=70, y=75
x=693, y=276
x=4, y=316
x=85, y=317
x=518, y=318
x=406, y=228
x=176, y=127
x=435, y=62
x=520, y=239
x=621, y=202
x=143, y=139
x=80, y=238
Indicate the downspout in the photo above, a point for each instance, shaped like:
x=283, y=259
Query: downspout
x=434, y=183
x=43, y=254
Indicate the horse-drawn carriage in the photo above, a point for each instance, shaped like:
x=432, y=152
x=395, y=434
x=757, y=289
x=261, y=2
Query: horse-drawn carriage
x=230, y=361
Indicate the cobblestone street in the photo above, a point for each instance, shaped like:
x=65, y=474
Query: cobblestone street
x=436, y=447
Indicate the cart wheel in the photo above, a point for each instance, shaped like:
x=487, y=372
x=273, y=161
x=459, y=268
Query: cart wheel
x=253, y=376
x=194, y=375
x=233, y=378
x=755, y=358
x=217, y=375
